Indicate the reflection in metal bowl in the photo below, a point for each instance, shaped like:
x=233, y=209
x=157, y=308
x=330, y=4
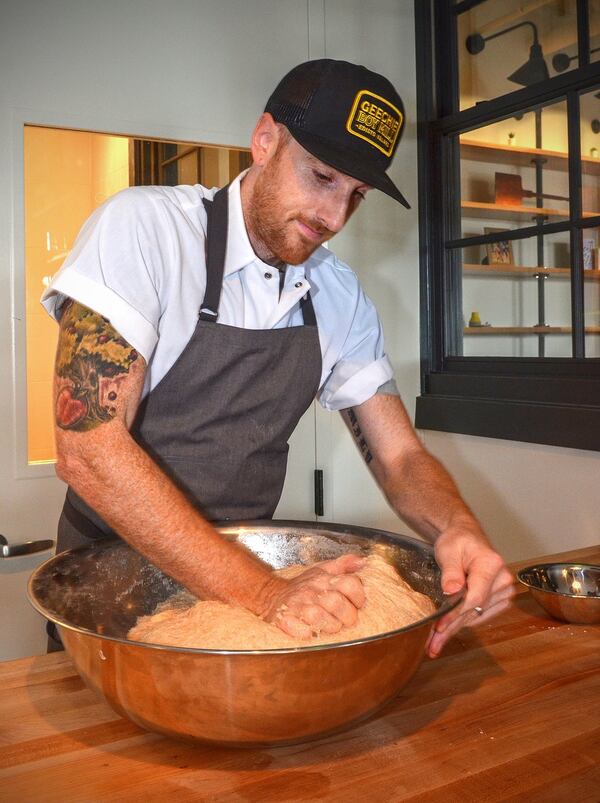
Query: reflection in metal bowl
x=568, y=591
x=95, y=594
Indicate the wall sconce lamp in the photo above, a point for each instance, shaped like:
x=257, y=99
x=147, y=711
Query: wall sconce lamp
x=561, y=61
x=532, y=72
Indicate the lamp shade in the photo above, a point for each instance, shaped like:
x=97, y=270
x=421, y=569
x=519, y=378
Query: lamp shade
x=533, y=71
x=535, y=68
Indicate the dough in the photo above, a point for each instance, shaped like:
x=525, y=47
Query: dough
x=207, y=624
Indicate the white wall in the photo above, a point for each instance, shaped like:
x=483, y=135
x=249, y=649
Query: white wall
x=531, y=499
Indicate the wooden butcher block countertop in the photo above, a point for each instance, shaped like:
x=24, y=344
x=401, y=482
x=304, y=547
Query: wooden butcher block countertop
x=511, y=711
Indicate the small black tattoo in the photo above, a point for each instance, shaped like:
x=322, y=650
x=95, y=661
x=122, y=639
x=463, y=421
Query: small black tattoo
x=360, y=439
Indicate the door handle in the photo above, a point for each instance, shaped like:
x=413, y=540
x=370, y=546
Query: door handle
x=28, y=548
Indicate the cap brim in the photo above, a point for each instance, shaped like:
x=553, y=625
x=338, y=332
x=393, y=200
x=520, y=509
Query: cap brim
x=347, y=163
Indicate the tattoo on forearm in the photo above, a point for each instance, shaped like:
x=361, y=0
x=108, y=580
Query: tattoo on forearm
x=92, y=362
x=360, y=439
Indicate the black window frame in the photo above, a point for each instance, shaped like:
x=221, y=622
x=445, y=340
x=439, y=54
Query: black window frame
x=553, y=401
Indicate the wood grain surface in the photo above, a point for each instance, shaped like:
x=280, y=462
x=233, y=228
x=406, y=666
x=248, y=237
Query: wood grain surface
x=510, y=712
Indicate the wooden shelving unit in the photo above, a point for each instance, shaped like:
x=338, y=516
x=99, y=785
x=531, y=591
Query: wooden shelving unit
x=513, y=212
x=525, y=270
x=525, y=213
x=521, y=157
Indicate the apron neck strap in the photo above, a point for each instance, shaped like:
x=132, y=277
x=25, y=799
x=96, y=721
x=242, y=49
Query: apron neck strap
x=216, y=245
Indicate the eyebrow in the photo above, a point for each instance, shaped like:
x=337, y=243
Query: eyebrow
x=323, y=167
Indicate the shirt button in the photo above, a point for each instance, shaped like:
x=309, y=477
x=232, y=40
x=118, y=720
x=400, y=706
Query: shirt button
x=268, y=275
x=298, y=284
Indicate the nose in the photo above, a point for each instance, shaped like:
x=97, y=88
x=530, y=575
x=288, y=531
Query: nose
x=334, y=211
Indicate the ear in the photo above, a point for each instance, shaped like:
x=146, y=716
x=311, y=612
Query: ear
x=264, y=139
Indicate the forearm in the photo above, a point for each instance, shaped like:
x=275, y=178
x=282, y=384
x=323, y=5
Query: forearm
x=137, y=500
x=424, y=495
x=415, y=484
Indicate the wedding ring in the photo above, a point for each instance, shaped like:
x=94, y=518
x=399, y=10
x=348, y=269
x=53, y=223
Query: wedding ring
x=478, y=610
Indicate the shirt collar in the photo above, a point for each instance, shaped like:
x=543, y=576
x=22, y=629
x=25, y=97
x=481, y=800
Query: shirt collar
x=239, y=249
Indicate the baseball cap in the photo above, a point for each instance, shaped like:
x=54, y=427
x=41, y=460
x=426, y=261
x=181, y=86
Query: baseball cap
x=344, y=114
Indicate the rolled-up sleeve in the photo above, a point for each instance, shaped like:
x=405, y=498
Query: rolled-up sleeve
x=360, y=385
x=362, y=366
x=115, y=268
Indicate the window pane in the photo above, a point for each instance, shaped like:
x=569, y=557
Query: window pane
x=506, y=44
x=591, y=284
x=505, y=178
x=590, y=151
x=594, y=12
x=590, y=188
x=511, y=307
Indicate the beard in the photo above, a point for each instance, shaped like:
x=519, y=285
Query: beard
x=274, y=233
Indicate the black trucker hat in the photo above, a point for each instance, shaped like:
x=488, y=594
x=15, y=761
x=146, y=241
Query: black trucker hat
x=347, y=116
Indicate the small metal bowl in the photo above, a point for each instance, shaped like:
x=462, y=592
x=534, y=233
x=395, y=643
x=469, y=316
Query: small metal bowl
x=567, y=591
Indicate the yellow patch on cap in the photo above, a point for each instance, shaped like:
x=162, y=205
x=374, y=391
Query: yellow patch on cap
x=375, y=120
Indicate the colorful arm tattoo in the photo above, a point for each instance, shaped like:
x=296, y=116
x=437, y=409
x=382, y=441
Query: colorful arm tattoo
x=92, y=363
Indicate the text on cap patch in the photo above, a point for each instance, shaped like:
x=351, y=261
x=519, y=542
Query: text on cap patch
x=375, y=120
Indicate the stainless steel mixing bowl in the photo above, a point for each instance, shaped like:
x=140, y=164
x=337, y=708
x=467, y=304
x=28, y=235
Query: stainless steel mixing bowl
x=95, y=594
x=568, y=591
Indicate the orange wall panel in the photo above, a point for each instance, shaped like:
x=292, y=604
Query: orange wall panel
x=67, y=175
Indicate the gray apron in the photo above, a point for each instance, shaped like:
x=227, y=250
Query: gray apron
x=219, y=422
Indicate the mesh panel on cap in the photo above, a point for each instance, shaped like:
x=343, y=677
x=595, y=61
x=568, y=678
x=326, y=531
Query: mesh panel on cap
x=292, y=97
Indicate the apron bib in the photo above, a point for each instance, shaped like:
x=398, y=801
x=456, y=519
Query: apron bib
x=219, y=422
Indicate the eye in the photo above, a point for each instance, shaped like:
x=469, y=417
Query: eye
x=323, y=178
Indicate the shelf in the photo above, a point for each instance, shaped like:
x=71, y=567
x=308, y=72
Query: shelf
x=522, y=270
x=526, y=330
x=513, y=212
x=509, y=154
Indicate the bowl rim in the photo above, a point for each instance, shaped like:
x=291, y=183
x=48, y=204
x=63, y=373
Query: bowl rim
x=449, y=602
x=555, y=565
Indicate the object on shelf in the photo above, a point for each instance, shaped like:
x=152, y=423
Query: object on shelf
x=509, y=190
x=512, y=139
x=589, y=254
x=475, y=319
x=498, y=253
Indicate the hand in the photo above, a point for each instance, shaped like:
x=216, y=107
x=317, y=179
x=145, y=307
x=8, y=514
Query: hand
x=467, y=559
x=322, y=599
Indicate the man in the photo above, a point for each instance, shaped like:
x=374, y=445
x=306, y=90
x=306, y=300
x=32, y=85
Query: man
x=197, y=327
